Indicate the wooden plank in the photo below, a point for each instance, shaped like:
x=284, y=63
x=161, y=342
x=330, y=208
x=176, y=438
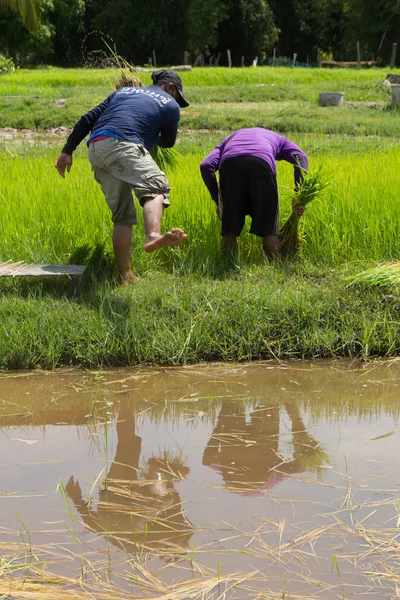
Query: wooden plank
x=21, y=269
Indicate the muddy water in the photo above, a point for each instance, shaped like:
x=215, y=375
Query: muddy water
x=256, y=481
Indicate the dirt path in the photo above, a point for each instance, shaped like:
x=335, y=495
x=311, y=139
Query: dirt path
x=10, y=133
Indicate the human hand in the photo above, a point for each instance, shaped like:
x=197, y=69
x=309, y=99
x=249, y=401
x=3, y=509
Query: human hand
x=64, y=161
x=73, y=489
x=298, y=209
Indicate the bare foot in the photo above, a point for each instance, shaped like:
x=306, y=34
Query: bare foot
x=129, y=279
x=174, y=237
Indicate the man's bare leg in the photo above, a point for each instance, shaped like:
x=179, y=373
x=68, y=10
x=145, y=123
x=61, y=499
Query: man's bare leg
x=152, y=214
x=122, y=244
x=271, y=246
x=229, y=242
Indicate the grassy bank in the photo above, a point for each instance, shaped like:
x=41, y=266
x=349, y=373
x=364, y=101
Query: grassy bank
x=190, y=305
x=261, y=313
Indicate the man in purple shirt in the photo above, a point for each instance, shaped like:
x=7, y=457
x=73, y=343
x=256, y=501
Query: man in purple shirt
x=246, y=161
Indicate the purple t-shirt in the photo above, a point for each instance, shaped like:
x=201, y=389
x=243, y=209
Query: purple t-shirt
x=258, y=142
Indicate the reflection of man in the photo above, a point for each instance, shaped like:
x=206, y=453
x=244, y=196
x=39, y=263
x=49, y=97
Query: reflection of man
x=143, y=511
x=245, y=451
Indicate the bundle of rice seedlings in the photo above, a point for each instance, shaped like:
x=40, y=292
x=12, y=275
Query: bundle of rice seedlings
x=166, y=158
x=311, y=186
x=385, y=275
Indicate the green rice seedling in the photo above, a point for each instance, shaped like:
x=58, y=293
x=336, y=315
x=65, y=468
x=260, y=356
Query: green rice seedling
x=385, y=275
x=310, y=188
x=106, y=446
x=90, y=497
x=72, y=534
x=27, y=531
x=335, y=565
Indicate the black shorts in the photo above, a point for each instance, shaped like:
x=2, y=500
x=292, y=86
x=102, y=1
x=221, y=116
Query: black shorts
x=248, y=187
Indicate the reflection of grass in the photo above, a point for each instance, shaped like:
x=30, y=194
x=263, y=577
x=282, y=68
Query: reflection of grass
x=313, y=461
x=280, y=547
x=80, y=401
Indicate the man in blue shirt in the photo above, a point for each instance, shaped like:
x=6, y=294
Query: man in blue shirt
x=123, y=129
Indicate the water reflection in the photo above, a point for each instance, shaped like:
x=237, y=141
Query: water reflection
x=245, y=447
x=244, y=429
x=137, y=505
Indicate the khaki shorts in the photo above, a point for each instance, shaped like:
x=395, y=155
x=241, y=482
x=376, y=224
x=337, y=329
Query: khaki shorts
x=119, y=167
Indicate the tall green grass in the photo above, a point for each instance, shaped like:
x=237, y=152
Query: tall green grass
x=47, y=219
x=57, y=77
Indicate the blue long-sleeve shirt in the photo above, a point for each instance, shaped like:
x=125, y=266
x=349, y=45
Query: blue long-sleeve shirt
x=255, y=141
x=145, y=116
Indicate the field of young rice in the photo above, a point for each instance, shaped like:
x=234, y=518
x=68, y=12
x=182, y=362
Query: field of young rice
x=220, y=98
x=47, y=219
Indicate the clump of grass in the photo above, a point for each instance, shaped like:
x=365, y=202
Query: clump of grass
x=166, y=158
x=385, y=275
x=311, y=186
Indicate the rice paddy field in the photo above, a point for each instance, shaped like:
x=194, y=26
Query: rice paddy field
x=191, y=304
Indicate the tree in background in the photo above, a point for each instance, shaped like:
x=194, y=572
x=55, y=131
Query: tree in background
x=376, y=25
x=203, y=18
x=67, y=20
x=29, y=10
x=23, y=46
x=138, y=27
x=248, y=29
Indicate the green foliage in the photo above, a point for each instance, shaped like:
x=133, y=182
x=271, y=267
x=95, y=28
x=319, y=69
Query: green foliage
x=311, y=187
x=190, y=304
x=6, y=64
x=137, y=28
x=221, y=99
x=29, y=10
x=67, y=19
x=166, y=158
x=248, y=28
x=204, y=17
x=376, y=25
x=24, y=47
